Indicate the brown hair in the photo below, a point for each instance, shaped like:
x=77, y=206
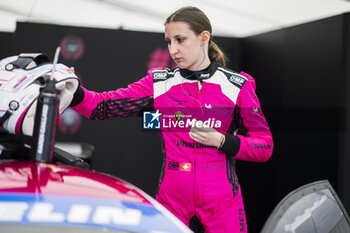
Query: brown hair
x=198, y=23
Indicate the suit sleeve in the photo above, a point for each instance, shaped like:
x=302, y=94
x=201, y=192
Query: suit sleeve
x=254, y=140
x=123, y=102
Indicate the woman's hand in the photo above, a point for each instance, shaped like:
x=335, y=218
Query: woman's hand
x=207, y=136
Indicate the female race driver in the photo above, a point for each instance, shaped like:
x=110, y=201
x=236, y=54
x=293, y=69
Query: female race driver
x=213, y=119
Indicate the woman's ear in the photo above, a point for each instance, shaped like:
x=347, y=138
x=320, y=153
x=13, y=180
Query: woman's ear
x=205, y=37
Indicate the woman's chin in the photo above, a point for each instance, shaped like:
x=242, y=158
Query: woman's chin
x=182, y=65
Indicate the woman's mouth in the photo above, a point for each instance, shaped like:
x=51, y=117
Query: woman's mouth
x=177, y=60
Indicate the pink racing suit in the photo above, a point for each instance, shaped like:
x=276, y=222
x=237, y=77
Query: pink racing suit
x=196, y=180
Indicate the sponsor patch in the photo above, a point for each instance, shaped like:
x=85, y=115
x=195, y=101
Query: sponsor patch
x=208, y=106
x=212, y=167
x=256, y=109
x=160, y=75
x=193, y=145
x=241, y=220
x=173, y=165
x=185, y=167
x=237, y=80
x=261, y=146
x=205, y=75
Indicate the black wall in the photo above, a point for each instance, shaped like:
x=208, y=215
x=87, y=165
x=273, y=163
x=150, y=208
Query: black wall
x=344, y=157
x=302, y=77
x=6, y=44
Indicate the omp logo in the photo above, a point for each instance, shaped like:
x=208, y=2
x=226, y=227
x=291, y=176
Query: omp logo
x=238, y=81
x=77, y=213
x=204, y=75
x=173, y=165
x=160, y=75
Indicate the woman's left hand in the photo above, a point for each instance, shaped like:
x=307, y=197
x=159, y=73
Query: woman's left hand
x=207, y=136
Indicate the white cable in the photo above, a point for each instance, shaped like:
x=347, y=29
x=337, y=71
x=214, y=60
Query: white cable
x=55, y=59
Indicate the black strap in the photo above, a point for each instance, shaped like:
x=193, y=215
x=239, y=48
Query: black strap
x=25, y=59
x=5, y=117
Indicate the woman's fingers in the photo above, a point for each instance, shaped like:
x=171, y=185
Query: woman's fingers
x=206, y=135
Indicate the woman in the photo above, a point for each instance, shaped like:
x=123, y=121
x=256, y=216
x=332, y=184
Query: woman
x=210, y=117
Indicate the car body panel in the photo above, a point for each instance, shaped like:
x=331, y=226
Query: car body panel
x=43, y=194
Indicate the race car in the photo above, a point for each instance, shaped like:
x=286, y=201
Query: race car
x=45, y=189
x=49, y=197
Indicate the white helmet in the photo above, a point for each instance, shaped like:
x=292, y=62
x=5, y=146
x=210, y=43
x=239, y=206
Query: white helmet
x=20, y=80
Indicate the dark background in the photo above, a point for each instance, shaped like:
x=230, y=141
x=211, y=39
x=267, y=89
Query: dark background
x=302, y=75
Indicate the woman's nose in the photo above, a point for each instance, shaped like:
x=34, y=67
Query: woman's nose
x=173, y=49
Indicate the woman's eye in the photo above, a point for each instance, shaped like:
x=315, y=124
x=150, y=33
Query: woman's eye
x=180, y=40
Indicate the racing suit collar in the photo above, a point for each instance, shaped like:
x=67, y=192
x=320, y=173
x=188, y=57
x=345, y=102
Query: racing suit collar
x=200, y=74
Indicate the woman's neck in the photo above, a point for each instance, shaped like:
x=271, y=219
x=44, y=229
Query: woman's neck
x=203, y=65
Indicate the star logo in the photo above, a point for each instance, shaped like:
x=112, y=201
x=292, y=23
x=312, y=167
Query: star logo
x=156, y=115
x=151, y=120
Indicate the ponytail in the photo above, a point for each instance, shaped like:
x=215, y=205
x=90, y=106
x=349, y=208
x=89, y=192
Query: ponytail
x=216, y=54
